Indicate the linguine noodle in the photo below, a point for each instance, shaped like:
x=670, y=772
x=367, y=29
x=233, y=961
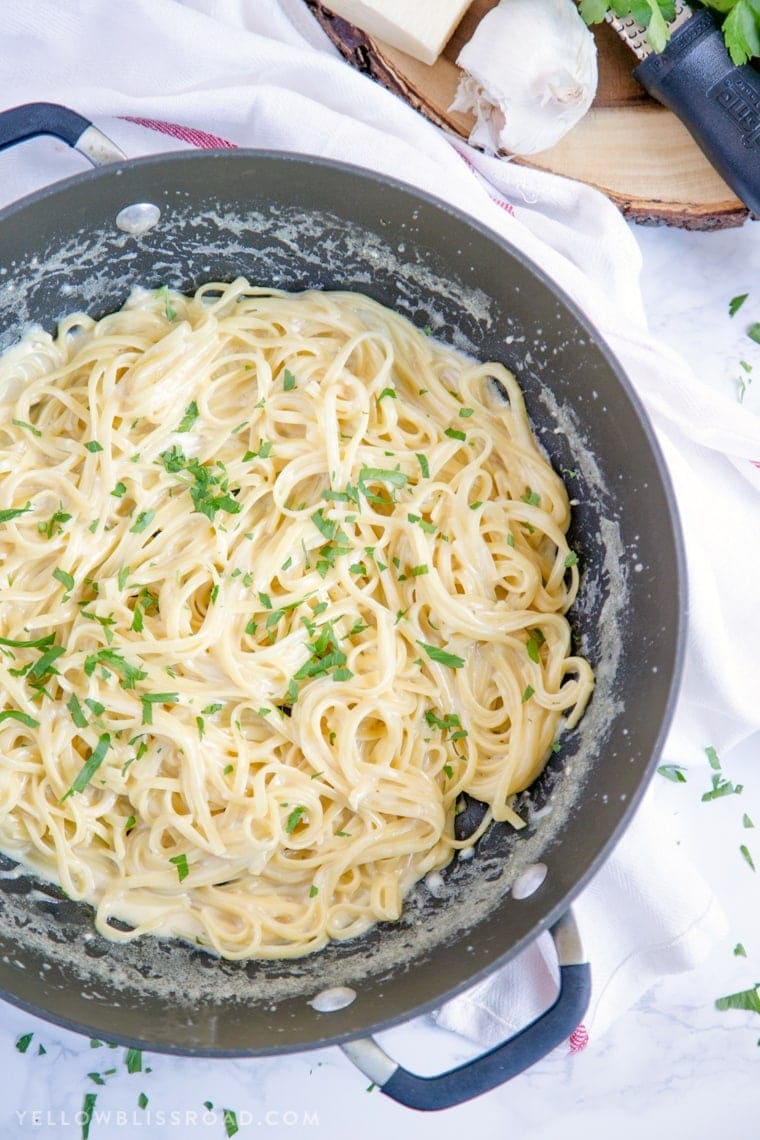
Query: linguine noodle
x=281, y=577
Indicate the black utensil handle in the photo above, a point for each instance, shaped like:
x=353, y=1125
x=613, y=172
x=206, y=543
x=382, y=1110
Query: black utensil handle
x=504, y=1061
x=717, y=101
x=32, y=119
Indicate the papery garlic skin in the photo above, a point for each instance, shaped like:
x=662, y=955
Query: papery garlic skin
x=530, y=75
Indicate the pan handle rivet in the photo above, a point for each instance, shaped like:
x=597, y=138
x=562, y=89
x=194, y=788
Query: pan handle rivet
x=529, y=881
x=138, y=218
x=329, y=1001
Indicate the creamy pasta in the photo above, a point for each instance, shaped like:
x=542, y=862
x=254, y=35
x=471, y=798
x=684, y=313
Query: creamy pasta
x=281, y=577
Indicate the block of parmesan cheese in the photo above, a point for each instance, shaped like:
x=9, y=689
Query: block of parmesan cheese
x=421, y=28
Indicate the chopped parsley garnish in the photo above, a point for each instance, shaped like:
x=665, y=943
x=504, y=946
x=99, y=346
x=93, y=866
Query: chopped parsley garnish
x=288, y=384
x=417, y=571
x=476, y=505
x=56, y=520
x=736, y=303
x=169, y=310
x=571, y=559
x=93, y=446
x=130, y=823
x=389, y=392
x=143, y=520
x=90, y=767
x=313, y=891
x=112, y=662
x=21, y=717
x=529, y=691
x=15, y=512
x=189, y=418
x=208, y=486
x=76, y=710
x=453, y=433
x=120, y=490
x=148, y=700
x=672, y=772
x=465, y=413
x=532, y=498
x=442, y=656
x=180, y=862
x=64, y=578
x=294, y=818
x=424, y=465
x=29, y=427
x=532, y=647
x=263, y=451
x=37, y=643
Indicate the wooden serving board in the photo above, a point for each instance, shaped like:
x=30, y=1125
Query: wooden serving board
x=628, y=145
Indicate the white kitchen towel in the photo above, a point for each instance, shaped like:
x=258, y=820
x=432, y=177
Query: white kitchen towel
x=163, y=75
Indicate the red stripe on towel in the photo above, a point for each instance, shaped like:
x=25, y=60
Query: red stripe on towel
x=200, y=139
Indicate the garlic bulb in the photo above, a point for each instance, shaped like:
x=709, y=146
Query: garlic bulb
x=530, y=75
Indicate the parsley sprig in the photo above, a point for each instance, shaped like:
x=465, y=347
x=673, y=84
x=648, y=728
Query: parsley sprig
x=741, y=25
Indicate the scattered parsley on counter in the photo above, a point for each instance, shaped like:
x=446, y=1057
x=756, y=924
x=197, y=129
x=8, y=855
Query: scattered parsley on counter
x=746, y=999
x=24, y=1042
x=753, y=332
x=672, y=772
x=736, y=303
x=133, y=1060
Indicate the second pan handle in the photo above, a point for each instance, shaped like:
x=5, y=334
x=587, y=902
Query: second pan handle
x=32, y=119
x=501, y=1063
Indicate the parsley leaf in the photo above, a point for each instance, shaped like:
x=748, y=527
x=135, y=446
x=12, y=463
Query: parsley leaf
x=746, y=999
x=736, y=303
x=180, y=862
x=21, y=717
x=190, y=416
x=15, y=512
x=672, y=772
x=88, y=770
x=293, y=819
x=442, y=656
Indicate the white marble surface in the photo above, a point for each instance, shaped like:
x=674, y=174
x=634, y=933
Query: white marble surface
x=672, y=1065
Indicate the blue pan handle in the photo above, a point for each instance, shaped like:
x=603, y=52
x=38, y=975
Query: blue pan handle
x=32, y=119
x=504, y=1061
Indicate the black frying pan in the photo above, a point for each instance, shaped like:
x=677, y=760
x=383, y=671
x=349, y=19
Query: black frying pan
x=297, y=222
